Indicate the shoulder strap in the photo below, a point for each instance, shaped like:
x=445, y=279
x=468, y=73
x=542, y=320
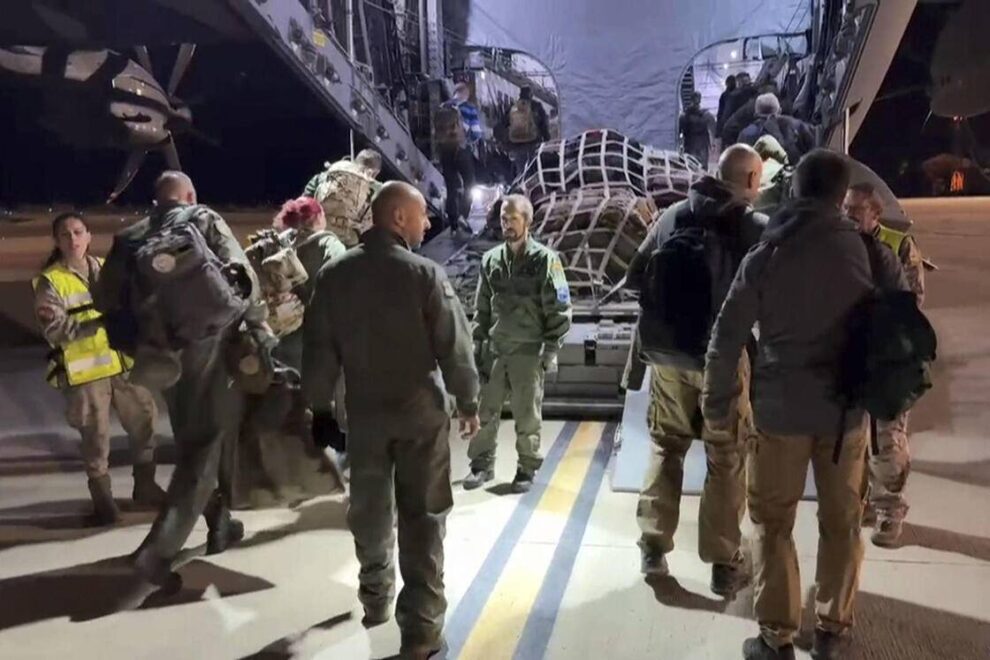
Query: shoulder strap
x=872, y=252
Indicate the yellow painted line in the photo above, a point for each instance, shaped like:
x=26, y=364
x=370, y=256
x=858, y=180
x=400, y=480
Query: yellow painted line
x=502, y=620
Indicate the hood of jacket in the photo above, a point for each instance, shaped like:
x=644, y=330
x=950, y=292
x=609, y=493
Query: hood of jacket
x=713, y=202
x=801, y=217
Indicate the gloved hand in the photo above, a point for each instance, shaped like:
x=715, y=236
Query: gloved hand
x=327, y=433
x=549, y=363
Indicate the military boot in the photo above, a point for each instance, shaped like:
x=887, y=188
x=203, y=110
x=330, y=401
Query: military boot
x=727, y=579
x=478, y=478
x=148, y=575
x=224, y=530
x=887, y=531
x=827, y=645
x=146, y=491
x=755, y=648
x=522, y=483
x=105, y=510
x=652, y=562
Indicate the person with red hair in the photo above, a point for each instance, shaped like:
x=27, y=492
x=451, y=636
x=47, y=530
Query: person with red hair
x=302, y=224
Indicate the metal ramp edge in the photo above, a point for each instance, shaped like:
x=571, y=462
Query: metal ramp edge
x=327, y=69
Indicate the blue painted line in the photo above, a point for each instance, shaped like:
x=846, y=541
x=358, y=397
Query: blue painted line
x=465, y=616
x=539, y=626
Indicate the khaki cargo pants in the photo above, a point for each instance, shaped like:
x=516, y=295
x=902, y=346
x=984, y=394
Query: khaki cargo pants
x=521, y=377
x=674, y=420
x=408, y=473
x=777, y=468
x=890, y=464
x=88, y=411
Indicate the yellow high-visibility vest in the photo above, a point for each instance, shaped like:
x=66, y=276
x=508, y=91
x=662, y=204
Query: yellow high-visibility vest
x=891, y=237
x=85, y=359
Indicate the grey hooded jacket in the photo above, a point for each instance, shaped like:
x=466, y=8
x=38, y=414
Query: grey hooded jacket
x=800, y=286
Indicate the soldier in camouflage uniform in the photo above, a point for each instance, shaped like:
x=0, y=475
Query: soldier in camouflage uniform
x=345, y=189
x=389, y=321
x=523, y=312
x=890, y=459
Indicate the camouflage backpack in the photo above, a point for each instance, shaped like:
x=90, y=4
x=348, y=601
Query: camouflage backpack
x=345, y=194
x=522, y=123
x=279, y=273
x=449, y=128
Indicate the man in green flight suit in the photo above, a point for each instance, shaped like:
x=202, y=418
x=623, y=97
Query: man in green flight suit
x=523, y=312
x=389, y=321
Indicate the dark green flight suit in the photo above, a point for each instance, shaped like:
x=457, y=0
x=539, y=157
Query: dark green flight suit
x=523, y=313
x=205, y=407
x=390, y=320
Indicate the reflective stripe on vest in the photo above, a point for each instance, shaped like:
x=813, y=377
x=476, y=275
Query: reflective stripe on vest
x=86, y=359
x=894, y=239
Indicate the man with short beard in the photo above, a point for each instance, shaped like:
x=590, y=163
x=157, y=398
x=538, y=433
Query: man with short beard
x=890, y=455
x=523, y=312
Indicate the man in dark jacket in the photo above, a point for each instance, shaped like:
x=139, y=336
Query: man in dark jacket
x=697, y=130
x=730, y=86
x=674, y=417
x=792, y=134
x=743, y=96
x=800, y=286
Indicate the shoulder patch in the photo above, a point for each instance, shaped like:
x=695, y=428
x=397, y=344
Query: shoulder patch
x=448, y=289
x=563, y=294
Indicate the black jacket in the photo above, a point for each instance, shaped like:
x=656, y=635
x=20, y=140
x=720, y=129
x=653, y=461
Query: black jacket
x=799, y=285
x=710, y=201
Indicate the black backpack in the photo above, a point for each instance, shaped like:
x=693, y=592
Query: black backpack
x=685, y=283
x=178, y=290
x=887, y=362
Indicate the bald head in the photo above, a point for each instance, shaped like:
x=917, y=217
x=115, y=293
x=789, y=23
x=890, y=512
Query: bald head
x=741, y=167
x=400, y=208
x=174, y=187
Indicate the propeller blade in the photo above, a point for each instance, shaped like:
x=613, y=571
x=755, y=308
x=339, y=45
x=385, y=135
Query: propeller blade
x=186, y=52
x=906, y=91
x=171, y=154
x=131, y=166
x=144, y=58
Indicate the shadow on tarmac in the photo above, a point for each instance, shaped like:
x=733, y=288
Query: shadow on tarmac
x=89, y=591
x=61, y=520
x=283, y=649
x=325, y=514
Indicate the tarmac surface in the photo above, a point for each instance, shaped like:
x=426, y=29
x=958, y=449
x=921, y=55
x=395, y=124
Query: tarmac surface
x=553, y=574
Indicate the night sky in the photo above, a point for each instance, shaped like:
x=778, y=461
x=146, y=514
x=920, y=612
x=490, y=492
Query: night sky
x=271, y=135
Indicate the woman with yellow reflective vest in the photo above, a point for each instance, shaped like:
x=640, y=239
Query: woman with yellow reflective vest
x=90, y=373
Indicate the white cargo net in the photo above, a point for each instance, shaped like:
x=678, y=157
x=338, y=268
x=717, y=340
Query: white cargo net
x=594, y=197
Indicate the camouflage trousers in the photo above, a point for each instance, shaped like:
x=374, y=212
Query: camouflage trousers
x=408, y=473
x=675, y=421
x=88, y=411
x=890, y=464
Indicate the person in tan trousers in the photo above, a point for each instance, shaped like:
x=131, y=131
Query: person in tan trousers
x=722, y=207
x=91, y=375
x=800, y=286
